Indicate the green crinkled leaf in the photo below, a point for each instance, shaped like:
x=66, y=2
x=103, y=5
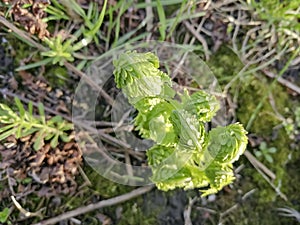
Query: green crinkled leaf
x=132, y=65
x=147, y=104
x=181, y=179
x=201, y=104
x=166, y=162
x=173, y=168
x=145, y=86
x=188, y=128
x=139, y=77
x=188, y=177
x=161, y=130
x=158, y=153
x=219, y=176
x=226, y=144
x=153, y=121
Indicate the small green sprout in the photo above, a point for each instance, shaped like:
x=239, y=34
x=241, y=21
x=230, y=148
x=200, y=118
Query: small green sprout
x=60, y=51
x=265, y=152
x=4, y=214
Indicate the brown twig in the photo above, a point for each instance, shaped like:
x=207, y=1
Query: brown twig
x=187, y=212
x=136, y=154
x=263, y=173
x=24, y=211
x=258, y=164
x=199, y=38
x=94, y=206
x=90, y=82
x=107, y=130
x=183, y=58
x=282, y=81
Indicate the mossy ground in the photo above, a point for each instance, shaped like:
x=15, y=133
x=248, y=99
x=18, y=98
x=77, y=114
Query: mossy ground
x=251, y=89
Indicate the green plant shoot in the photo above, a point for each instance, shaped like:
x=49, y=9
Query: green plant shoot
x=4, y=214
x=265, y=152
x=185, y=154
x=25, y=123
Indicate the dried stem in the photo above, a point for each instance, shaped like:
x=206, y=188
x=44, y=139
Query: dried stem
x=282, y=81
x=94, y=206
x=199, y=38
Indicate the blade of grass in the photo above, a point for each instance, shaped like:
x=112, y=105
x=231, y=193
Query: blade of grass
x=162, y=20
x=57, y=5
x=123, y=8
x=81, y=65
x=33, y=65
x=110, y=27
x=56, y=14
x=183, y=17
x=99, y=21
x=76, y=8
x=154, y=4
x=90, y=10
x=8, y=10
x=176, y=21
x=132, y=40
x=126, y=36
x=23, y=36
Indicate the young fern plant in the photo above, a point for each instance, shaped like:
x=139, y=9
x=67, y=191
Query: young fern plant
x=185, y=154
x=25, y=123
